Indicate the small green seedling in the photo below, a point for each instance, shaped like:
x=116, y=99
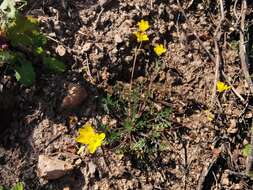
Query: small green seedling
x=246, y=150
x=18, y=186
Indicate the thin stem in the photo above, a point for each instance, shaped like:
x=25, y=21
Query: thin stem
x=132, y=76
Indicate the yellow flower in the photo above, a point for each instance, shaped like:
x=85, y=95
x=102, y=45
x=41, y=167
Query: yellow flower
x=221, y=87
x=159, y=49
x=141, y=36
x=88, y=136
x=143, y=25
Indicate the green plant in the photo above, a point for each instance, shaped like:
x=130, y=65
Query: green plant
x=140, y=132
x=234, y=44
x=141, y=122
x=18, y=186
x=246, y=150
x=21, y=42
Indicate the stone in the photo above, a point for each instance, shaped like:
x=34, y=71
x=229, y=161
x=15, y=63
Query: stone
x=232, y=130
x=78, y=162
x=60, y=50
x=76, y=94
x=232, y=127
x=118, y=39
x=87, y=46
x=51, y=168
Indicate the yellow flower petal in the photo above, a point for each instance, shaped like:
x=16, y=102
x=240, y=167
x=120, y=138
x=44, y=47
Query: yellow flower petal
x=96, y=142
x=159, y=49
x=91, y=148
x=83, y=139
x=141, y=36
x=88, y=136
x=86, y=133
x=87, y=128
x=101, y=136
x=221, y=87
x=143, y=25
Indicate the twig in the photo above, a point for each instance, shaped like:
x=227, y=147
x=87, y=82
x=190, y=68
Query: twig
x=218, y=64
x=217, y=58
x=51, y=141
x=86, y=62
x=243, y=52
x=233, y=88
x=246, y=106
x=98, y=17
x=106, y=161
x=217, y=72
x=190, y=4
x=185, y=146
x=235, y=13
x=238, y=174
x=132, y=76
x=208, y=176
x=59, y=42
x=179, y=36
x=55, y=40
x=244, y=65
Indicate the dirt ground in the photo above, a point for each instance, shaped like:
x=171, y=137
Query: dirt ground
x=205, y=141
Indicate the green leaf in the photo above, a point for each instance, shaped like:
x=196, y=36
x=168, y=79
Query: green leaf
x=23, y=25
x=18, y=39
x=7, y=57
x=114, y=136
x=139, y=145
x=1, y=188
x=53, y=64
x=128, y=125
x=18, y=186
x=234, y=44
x=8, y=7
x=25, y=73
x=26, y=32
x=39, y=50
x=246, y=150
x=39, y=39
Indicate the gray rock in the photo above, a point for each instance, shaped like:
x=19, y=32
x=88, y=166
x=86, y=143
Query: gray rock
x=51, y=168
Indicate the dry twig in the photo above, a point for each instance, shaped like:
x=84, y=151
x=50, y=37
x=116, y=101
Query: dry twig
x=132, y=75
x=243, y=51
x=217, y=72
x=218, y=60
x=233, y=89
x=244, y=65
x=209, y=171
